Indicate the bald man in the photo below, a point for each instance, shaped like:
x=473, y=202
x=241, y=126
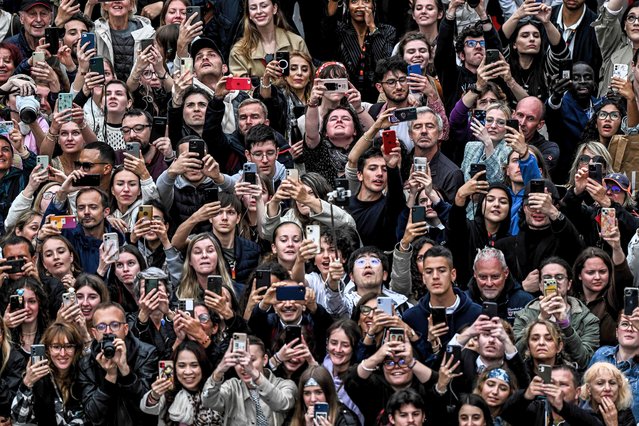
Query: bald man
x=530, y=113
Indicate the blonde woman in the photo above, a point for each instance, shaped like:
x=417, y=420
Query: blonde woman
x=266, y=32
x=204, y=257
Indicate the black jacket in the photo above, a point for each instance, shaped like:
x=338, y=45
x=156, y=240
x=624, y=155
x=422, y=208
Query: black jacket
x=512, y=299
x=116, y=404
x=549, y=150
x=10, y=381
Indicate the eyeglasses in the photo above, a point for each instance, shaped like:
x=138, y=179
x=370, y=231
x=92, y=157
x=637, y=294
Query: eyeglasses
x=474, y=43
x=393, y=81
x=138, y=128
x=615, y=189
x=114, y=326
x=47, y=195
x=85, y=165
x=626, y=325
x=631, y=19
x=498, y=122
x=373, y=261
x=390, y=364
x=59, y=348
x=203, y=318
x=267, y=154
x=149, y=74
x=587, y=158
x=614, y=115
x=557, y=277
x=366, y=310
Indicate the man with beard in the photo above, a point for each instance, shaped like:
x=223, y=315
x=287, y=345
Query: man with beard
x=77, y=25
x=425, y=132
x=571, y=104
x=136, y=127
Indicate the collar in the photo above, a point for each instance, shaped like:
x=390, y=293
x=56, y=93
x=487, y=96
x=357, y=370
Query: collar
x=282, y=43
x=560, y=20
x=284, y=325
x=452, y=308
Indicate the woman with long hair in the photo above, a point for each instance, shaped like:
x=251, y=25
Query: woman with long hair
x=290, y=359
x=316, y=385
x=12, y=368
x=120, y=274
x=71, y=142
x=173, y=12
x=150, y=82
x=544, y=345
x=59, y=259
x=266, y=32
x=427, y=14
x=55, y=399
x=90, y=291
x=27, y=225
x=27, y=324
x=203, y=257
x=176, y=395
x=287, y=240
x=473, y=411
x=605, y=122
x=587, y=153
x=129, y=191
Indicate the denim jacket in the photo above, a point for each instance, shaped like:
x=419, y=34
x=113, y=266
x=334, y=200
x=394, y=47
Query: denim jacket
x=629, y=368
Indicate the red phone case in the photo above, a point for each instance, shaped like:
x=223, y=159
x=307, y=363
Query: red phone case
x=389, y=140
x=238, y=83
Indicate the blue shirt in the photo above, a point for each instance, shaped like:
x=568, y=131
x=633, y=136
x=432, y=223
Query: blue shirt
x=629, y=368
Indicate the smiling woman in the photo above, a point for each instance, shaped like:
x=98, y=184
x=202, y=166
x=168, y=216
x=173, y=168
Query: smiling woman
x=10, y=57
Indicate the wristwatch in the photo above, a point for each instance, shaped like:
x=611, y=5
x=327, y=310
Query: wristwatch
x=473, y=88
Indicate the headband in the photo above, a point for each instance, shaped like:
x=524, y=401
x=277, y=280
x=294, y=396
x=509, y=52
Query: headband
x=499, y=373
x=328, y=64
x=311, y=382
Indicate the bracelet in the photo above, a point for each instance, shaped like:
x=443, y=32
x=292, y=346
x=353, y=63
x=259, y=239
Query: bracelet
x=450, y=18
x=412, y=364
x=370, y=370
x=277, y=358
x=402, y=248
x=366, y=138
x=264, y=86
x=52, y=138
x=485, y=21
x=371, y=336
x=312, y=105
x=163, y=78
x=363, y=109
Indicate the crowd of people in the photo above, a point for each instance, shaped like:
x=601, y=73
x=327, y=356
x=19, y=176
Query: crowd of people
x=319, y=213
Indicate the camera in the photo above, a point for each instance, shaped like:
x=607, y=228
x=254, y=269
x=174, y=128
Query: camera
x=106, y=345
x=340, y=197
x=28, y=108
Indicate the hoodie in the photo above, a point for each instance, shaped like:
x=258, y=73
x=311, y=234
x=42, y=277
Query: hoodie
x=416, y=317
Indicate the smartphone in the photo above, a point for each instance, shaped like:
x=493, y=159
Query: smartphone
x=414, y=69
x=439, y=315
x=335, y=85
x=565, y=69
x=133, y=148
x=111, y=243
x=186, y=64
x=545, y=372
x=64, y=221
x=16, y=265
x=68, y=298
x=608, y=219
x=211, y=195
x=389, y=141
x=595, y=171
x=404, y=114
x=476, y=168
x=537, y=186
x=197, y=146
x=186, y=305
x=313, y=233
x=419, y=164
x=630, y=300
x=150, y=284
x=146, y=42
x=6, y=127
x=395, y=334
x=239, y=83
x=166, y=370
x=492, y=56
x=88, y=38
x=52, y=38
x=192, y=10
x=550, y=286
x=489, y=309
x=38, y=57
x=38, y=353
x=159, y=128
x=16, y=302
x=145, y=212
x=418, y=214
x=214, y=284
x=293, y=332
x=65, y=101
x=87, y=180
x=240, y=342
x=513, y=123
x=620, y=70
x=293, y=174
x=480, y=115
x=386, y=304
x=283, y=60
x=250, y=172
x=43, y=160
x=320, y=409
x=262, y=278
x=291, y=292
x=454, y=351
x=96, y=64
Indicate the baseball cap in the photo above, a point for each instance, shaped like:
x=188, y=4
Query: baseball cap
x=28, y=4
x=619, y=179
x=203, y=42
